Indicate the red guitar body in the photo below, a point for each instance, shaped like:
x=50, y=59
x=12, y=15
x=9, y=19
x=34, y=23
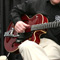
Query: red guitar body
x=9, y=42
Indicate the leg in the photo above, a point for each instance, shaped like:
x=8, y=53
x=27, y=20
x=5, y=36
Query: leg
x=51, y=48
x=32, y=51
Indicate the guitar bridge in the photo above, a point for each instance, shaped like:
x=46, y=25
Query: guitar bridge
x=10, y=33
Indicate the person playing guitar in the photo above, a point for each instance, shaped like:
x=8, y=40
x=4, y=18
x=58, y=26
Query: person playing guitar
x=25, y=16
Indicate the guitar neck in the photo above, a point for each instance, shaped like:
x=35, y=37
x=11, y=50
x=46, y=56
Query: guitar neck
x=54, y=24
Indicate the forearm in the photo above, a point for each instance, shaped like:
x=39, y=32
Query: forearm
x=19, y=10
x=15, y=15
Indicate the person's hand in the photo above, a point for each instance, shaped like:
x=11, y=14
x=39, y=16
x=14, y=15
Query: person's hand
x=54, y=2
x=20, y=26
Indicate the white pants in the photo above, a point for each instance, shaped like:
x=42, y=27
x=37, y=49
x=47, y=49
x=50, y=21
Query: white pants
x=46, y=50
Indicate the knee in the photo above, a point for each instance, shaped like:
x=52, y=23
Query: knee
x=25, y=45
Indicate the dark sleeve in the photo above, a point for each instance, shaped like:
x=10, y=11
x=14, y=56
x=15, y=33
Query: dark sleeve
x=18, y=11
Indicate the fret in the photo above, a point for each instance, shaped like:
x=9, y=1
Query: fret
x=45, y=25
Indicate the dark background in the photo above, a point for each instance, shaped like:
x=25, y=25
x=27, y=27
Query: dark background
x=5, y=7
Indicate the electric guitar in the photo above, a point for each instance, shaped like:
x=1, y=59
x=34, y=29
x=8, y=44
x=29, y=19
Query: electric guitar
x=39, y=25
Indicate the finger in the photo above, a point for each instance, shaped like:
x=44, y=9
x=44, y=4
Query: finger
x=26, y=25
x=19, y=30
x=22, y=26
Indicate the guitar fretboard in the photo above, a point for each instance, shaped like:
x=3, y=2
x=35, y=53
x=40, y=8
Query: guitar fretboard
x=54, y=24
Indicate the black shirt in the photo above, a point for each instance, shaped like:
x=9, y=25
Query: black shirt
x=32, y=7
